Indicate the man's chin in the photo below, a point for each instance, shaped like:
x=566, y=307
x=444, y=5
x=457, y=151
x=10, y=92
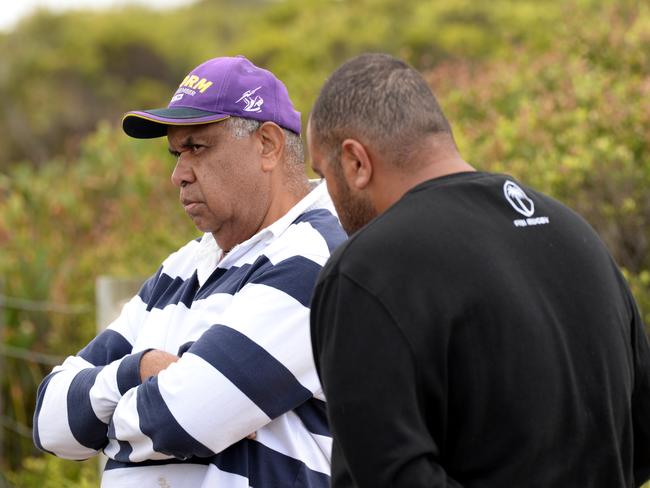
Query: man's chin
x=201, y=225
x=354, y=225
x=356, y=214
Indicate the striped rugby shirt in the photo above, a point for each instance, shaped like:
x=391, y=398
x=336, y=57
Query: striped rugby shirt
x=241, y=326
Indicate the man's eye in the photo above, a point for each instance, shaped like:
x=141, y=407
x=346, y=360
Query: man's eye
x=195, y=147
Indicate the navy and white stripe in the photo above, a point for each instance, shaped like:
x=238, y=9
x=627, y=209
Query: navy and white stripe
x=242, y=329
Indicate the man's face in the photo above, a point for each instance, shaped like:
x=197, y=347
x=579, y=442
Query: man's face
x=354, y=208
x=222, y=186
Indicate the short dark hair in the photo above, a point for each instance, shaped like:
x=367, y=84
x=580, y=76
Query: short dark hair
x=379, y=99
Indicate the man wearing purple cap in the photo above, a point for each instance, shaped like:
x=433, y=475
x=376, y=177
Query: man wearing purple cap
x=206, y=378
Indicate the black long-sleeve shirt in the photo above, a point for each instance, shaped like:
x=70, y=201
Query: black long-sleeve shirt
x=478, y=334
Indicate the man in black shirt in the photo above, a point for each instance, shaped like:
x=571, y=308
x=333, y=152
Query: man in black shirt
x=474, y=332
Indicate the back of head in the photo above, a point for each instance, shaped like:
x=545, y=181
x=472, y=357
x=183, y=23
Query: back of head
x=380, y=100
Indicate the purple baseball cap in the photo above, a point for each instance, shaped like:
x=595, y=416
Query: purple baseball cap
x=215, y=90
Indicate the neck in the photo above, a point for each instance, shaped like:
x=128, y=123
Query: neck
x=281, y=199
x=433, y=160
x=284, y=195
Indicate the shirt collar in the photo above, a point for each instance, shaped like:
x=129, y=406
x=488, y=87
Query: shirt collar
x=318, y=197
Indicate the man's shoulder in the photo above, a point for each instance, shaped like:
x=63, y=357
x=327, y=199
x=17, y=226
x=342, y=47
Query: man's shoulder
x=314, y=234
x=367, y=249
x=326, y=224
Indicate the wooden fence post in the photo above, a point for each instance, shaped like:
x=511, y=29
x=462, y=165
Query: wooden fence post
x=110, y=296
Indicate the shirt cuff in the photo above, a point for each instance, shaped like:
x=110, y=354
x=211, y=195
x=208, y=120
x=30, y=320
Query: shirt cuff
x=128, y=373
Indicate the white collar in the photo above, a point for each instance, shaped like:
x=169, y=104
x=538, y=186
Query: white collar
x=210, y=254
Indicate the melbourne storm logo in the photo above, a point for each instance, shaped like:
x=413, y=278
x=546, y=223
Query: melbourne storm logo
x=253, y=104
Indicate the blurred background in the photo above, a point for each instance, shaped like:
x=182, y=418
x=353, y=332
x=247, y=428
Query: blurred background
x=553, y=92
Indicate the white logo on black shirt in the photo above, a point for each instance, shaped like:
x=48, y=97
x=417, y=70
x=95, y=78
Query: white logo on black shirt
x=522, y=204
x=518, y=199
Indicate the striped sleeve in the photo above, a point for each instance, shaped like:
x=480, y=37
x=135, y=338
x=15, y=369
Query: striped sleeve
x=76, y=400
x=243, y=372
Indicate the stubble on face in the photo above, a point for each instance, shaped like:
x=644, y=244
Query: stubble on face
x=355, y=211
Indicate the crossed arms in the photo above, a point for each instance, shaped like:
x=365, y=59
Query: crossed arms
x=250, y=366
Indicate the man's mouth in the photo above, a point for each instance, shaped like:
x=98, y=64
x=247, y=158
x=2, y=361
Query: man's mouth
x=189, y=204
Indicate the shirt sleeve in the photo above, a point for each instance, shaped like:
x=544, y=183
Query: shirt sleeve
x=369, y=376
x=252, y=366
x=76, y=400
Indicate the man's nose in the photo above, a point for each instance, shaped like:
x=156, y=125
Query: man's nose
x=182, y=174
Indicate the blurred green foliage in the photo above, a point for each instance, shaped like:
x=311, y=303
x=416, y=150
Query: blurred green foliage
x=114, y=212
x=52, y=472
x=554, y=92
x=61, y=74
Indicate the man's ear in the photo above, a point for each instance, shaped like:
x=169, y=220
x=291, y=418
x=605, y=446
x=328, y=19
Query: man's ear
x=356, y=164
x=272, y=141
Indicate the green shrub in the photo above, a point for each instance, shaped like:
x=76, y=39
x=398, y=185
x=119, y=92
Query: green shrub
x=53, y=472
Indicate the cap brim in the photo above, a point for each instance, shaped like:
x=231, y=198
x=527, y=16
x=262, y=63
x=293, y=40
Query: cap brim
x=149, y=124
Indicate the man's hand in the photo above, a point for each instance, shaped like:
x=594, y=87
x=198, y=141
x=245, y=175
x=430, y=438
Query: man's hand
x=154, y=361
